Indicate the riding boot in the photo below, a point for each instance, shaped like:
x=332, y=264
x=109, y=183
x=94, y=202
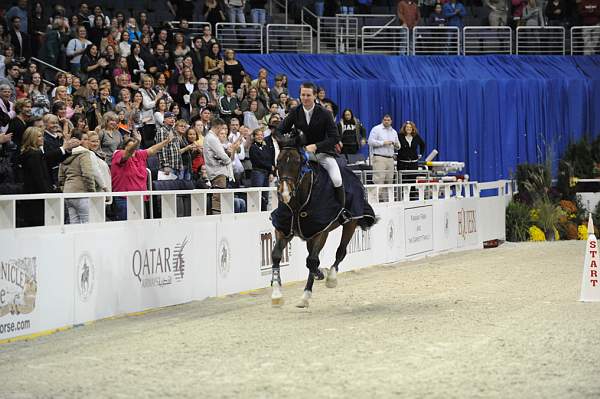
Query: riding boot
x=340, y=195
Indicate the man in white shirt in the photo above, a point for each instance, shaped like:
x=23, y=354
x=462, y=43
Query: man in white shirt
x=383, y=142
x=236, y=136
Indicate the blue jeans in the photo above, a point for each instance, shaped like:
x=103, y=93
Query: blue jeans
x=236, y=14
x=259, y=178
x=259, y=16
x=347, y=10
x=319, y=8
x=120, y=207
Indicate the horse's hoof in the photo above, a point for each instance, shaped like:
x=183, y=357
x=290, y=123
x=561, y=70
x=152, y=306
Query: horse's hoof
x=302, y=304
x=276, y=302
x=318, y=275
x=331, y=280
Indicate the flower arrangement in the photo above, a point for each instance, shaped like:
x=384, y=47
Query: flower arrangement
x=536, y=234
x=582, y=232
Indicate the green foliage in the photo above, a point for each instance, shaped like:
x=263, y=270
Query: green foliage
x=534, y=181
x=518, y=221
x=548, y=214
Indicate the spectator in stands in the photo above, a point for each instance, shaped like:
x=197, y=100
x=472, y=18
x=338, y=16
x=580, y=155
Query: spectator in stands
x=236, y=11
x=19, y=122
x=92, y=64
x=99, y=164
x=499, y=12
x=454, y=13
x=76, y=175
x=5, y=59
x=234, y=68
x=187, y=149
x=96, y=32
x=322, y=100
x=180, y=48
x=169, y=157
x=229, y=105
x=51, y=49
x=83, y=15
x=264, y=92
x=35, y=159
x=532, y=15
x=124, y=46
x=201, y=102
x=557, y=13
x=75, y=49
x=213, y=12
x=352, y=134
x=159, y=111
x=128, y=170
x=408, y=13
x=135, y=35
x=319, y=7
x=274, y=121
x=213, y=93
x=347, y=6
x=589, y=11
x=137, y=66
x=20, y=10
x=237, y=136
x=182, y=9
x=383, y=139
x=251, y=116
x=7, y=107
x=38, y=95
x=277, y=89
x=109, y=136
x=436, y=18
x=258, y=11
x=263, y=164
x=97, y=13
x=217, y=161
x=111, y=39
x=213, y=62
x=13, y=73
x=184, y=91
x=253, y=95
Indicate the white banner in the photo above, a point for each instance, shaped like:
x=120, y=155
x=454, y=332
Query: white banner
x=418, y=224
x=467, y=215
x=36, y=282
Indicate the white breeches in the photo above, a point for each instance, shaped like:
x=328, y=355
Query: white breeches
x=332, y=168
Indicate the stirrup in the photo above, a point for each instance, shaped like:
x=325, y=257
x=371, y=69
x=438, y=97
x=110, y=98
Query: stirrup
x=345, y=216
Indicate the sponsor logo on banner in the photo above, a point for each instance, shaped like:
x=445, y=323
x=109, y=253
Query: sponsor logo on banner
x=267, y=242
x=467, y=222
x=391, y=232
x=360, y=242
x=159, y=267
x=224, y=258
x=18, y=292
x=86, y=276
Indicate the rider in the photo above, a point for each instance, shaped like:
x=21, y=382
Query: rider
x=321, y=137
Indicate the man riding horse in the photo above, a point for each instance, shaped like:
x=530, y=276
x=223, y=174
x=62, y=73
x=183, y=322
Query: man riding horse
x=312, y=203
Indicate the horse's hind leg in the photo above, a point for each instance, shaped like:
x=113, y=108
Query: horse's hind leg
x=347, y=233
x=314, y=247
x=280, y=243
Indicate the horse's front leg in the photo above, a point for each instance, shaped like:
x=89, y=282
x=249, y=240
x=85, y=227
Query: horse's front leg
x=280, y=244
x=314, y=247
x=347, y=234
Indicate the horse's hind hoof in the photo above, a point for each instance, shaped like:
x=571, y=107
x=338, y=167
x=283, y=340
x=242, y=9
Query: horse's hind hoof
x=331, y=280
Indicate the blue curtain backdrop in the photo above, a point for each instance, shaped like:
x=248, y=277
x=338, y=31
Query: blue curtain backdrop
x=492, y=112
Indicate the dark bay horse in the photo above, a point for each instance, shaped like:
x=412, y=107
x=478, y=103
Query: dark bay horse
x=294, y=187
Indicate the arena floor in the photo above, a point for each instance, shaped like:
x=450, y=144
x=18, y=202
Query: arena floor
x=502, y=323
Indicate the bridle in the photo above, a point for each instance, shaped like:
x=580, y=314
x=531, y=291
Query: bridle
x=292, y=182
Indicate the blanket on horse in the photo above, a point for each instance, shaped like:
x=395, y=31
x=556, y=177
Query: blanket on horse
x=319, y=208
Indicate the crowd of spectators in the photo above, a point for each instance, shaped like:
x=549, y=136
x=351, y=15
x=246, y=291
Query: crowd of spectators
x=131, y=96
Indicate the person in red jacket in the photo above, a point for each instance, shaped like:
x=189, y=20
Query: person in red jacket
x=589, y=11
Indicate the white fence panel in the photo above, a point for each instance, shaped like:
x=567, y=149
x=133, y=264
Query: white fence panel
x=585, y=40
x=487, y=40
x=242, y=38
x=436, y=40
x=337, y=35
x=392, y=40
x=283, y=38
x=540, y=40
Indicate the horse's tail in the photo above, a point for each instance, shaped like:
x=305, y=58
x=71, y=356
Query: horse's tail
x=367, y=221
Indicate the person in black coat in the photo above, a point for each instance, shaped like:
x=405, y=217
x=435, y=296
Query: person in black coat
x=321, y=137
x=411, y=147
x=20, y=41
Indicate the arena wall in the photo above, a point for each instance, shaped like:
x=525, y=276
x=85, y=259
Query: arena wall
x=56, y=277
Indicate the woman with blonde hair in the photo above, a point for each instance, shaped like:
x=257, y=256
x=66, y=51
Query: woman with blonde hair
x=76, y=175
x=109, y=135
x=101, y=168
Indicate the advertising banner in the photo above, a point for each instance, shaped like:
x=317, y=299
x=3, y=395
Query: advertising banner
x=36, y=283
x=467, y=214
x=418, y=224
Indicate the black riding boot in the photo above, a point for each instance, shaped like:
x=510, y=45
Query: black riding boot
x=340, y=196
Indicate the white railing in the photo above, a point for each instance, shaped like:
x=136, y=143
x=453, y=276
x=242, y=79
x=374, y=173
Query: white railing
x=337, y=35
x=392, y=40
x=436, y=40
x=540, y=40
x=242, y=38
x=193, y=27
x=281, y=3
x=283, y=38
x=54, y=204
x=585, y=40
x=487, y=40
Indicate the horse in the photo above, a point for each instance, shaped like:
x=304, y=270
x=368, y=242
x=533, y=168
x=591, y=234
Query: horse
x=295, y=181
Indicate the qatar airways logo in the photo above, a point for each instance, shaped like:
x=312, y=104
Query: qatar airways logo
x=159, y=266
